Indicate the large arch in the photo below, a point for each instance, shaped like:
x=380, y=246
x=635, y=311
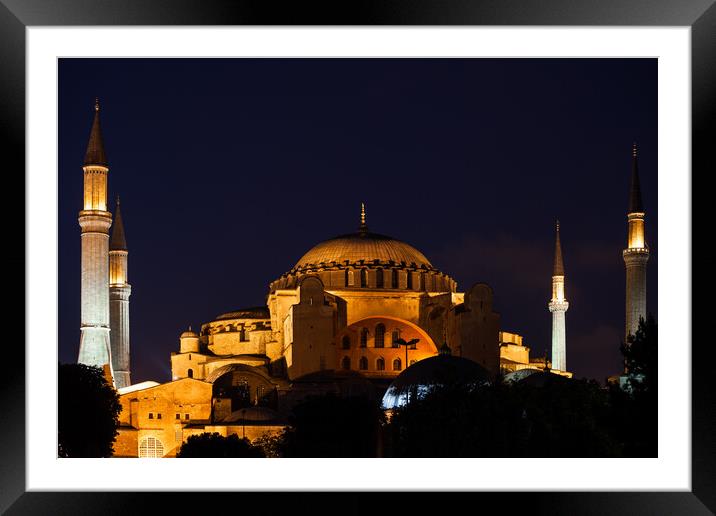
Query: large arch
x=425, y=347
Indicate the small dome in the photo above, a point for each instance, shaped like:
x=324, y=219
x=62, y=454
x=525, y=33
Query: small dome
x=363, y=247
x=189, y=334
x=435, y=371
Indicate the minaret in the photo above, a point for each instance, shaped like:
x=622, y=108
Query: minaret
x=95, y=222
x=558, y=305
x=636, y=254
x=119, y=292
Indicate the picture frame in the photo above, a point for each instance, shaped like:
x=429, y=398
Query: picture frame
x=15, y=16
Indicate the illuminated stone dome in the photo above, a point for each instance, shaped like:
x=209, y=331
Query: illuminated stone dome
x=367, y=260
x=364, y=247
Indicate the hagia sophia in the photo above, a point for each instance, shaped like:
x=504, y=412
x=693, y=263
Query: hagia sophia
x=357, y=314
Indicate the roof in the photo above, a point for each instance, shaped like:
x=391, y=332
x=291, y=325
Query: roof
x=635, y=204
x=363, y=246
x=558, y=262
x=117, y=242
x=254, y=415
x=137, y=387
x=254, y=312
x=95, y=154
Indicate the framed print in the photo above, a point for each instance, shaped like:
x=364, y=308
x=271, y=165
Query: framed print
x=243, y=135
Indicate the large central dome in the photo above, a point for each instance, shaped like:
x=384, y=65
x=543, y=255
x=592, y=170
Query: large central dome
x=364, y=247
x=366, y=260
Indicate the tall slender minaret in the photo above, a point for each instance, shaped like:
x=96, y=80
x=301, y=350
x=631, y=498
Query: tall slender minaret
x=558, y=305
x=95, y=222
x=119, y=292
x=636, y=254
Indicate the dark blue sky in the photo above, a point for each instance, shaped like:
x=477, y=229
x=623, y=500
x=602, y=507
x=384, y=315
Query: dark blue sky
x=230, y=169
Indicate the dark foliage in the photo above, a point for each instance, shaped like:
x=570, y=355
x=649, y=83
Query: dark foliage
x=558, y=419
x=214, y=445
x=88, y=412
x=330, y=426
x=635, y=408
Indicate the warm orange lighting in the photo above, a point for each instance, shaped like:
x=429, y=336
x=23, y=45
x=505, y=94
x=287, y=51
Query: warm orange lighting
x=636, y=231
x=118, y=267
x=95, y=188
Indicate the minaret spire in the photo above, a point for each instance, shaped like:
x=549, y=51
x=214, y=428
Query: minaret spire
x=95, y=154
x=558, y=306
x=363, y=227
x=636, y=255
x=558, y=269
x=635, y=204
x=117, y=241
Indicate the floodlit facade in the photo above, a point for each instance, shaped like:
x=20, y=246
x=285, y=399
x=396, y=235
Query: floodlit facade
x=350, y=316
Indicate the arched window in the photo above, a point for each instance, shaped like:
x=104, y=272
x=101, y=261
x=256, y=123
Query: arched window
x=380, y=335
x=379, y=278
x=410, y=280
x=350, y=278
x=151, y=447
x=364, y=338
x=346, y=342
x=363, y=363
x=363, y=278
x=394, y=278
x=190, y=373
x=346, y=363
x=397, y=365
x=395, y=337
x=380, y=364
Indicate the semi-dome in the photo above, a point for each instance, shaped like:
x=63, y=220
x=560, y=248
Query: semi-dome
x=363, y=247
x=440, y=370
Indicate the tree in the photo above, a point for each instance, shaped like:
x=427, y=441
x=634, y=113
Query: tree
x=641, y=358
x=635, y=409
x=329, y=426
x=88, y=412
x=556, y=418
x=214, y=445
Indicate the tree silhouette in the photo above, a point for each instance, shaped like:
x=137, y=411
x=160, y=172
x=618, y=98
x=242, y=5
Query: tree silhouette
x=88, y=412
x=329, y=426
x=635, y=408
x=214, y=445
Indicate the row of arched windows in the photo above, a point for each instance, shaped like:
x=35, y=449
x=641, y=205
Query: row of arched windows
x=350, y=279
x=379, y=338
x=363, y=364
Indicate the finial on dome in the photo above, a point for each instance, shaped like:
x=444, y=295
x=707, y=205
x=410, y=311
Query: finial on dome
x=96, y=103
x=557, y=225
x=190, y=327
x=633, y=149
x=363, y=226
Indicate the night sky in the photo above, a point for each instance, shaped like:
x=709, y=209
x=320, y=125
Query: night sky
x=230, y=169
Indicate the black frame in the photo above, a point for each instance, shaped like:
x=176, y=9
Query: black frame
x=700, y=15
